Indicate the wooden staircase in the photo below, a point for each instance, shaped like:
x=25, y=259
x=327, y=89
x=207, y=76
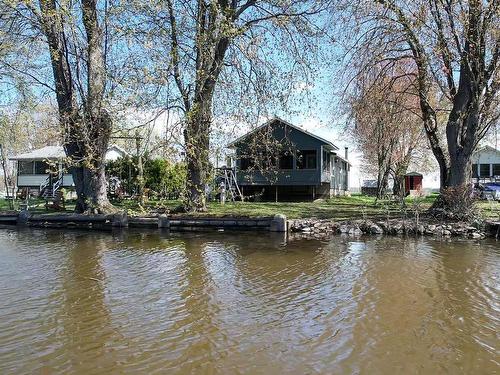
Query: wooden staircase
x=51, y=193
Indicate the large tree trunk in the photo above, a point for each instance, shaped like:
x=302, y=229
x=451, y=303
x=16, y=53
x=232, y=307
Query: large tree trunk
x=88, y=169
x=197, y=140
x=98, y=121
x=398, y=184
x=382, y=182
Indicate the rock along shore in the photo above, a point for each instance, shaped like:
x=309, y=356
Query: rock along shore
x=325, y=228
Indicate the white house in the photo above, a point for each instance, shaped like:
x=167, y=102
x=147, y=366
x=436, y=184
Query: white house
x=486, y=164
x=33, y=166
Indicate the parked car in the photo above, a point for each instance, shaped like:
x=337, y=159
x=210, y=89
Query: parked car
x=490, y=191
x=494, y=189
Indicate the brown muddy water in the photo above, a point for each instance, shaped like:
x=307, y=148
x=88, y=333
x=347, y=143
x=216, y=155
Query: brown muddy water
x=146, y=302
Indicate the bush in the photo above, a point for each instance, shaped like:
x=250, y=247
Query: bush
x=162, y=178
x=165, y=179
x=456, y=203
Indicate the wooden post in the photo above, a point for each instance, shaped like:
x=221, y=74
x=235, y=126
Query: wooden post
x=276, y=190
x=314, y=192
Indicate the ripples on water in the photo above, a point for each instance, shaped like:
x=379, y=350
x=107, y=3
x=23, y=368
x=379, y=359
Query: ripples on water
x=132, y=302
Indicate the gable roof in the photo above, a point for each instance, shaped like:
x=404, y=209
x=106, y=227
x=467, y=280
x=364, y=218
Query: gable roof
x=118, y=149
x=487, y=148
x=47, y=152
x=277, y=119
x=56, y=153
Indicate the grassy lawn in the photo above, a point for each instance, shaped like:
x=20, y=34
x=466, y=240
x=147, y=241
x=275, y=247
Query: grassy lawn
x=339, y=208
x=35, y=205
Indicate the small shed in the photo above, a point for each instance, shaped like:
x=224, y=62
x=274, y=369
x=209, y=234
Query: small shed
x=413, y=182
x=369, y=188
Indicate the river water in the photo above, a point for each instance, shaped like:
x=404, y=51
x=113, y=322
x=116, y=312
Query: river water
x=149, y=302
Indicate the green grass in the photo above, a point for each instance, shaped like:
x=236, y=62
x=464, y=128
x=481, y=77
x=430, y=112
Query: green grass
x=35, y=205
x=338, y=208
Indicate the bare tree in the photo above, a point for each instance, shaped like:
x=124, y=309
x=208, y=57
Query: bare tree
x=454, y=47
x=385, y=123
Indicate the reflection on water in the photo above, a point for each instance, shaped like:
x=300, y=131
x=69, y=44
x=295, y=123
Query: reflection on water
x=145, y=302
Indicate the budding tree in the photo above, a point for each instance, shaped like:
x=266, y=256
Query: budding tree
x=75, y=43
x=453, y=46
x=219, y=54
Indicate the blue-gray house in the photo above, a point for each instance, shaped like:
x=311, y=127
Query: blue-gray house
x=280, y=161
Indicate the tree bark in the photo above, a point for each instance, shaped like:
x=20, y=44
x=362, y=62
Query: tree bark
x=382, y=181
x=197, y=140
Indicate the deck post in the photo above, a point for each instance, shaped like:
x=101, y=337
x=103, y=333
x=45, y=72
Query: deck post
x=276, y=191
x=23, y=217
x=120, y=220
x=278, y=223
x=163, y=221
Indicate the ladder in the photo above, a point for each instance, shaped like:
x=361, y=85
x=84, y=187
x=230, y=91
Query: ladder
x=231, y=183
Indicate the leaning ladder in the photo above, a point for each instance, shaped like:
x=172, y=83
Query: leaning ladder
x=232, y=184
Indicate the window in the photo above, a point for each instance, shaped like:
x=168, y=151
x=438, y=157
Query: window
x=25, y=167
x=474, y=171
x=306, y=159
x=496, y=169
x=245, y=164
x=41, y=167
x=286, y=161
x=484, y=170
x=326, y=161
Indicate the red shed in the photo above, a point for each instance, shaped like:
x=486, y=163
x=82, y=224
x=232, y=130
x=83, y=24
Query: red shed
x=413, y=181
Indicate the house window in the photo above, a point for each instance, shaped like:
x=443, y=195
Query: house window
x=484, y=170
x=306, y=159
x=474, y=171
x=41, y=167
x=496, y=169
x=246, y=164
x=25, y=167
x=326, y=161
x=286, y=161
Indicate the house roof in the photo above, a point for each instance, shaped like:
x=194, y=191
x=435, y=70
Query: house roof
x=414, y=174
x=47, y=152
x=369, y=183
x=341, y=157
x=277, y=119
x=55, y=153
x=487, y=148
x=118, y=149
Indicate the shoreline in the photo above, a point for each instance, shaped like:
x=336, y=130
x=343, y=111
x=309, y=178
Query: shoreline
x=308, y=227
x=323, y=228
